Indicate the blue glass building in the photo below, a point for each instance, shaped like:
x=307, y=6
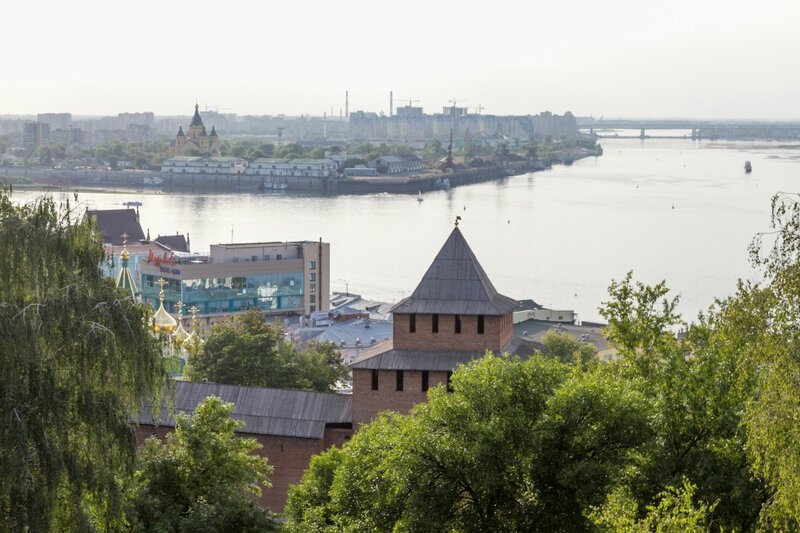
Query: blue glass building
x=276, y=277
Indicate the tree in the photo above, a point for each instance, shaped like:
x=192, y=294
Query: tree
x=77, y=361
x=773, y=349
x=249, y=351
x=700, y=387
x=676, y=511
x=640, y=318
x=567, y=348
x=241, y=352
x=517, y=446
x=204, y=478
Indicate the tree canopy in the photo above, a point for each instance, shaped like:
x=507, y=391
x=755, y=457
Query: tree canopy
x=691, y=428
x=517, y=446
x=77, y=363
x=253, y=352
x=203, y=479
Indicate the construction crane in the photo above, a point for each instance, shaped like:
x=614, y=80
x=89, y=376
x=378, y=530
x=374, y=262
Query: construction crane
x=410, y=101
x=216, y=108
x=479, y=108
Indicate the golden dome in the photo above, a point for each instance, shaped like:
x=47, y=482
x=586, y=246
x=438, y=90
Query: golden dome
x=180, y=336
x=124, y=254
x=163, y=321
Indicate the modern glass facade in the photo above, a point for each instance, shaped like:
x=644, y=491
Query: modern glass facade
x=270, y=292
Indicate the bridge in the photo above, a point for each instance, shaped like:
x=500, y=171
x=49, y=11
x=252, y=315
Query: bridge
x=700, y=129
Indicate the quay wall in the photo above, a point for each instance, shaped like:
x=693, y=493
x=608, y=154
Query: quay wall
x=59, y=178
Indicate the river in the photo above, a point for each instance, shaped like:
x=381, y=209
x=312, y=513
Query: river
x=667, y=209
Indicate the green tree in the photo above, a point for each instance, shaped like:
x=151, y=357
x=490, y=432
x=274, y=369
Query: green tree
x=567, y=348
x=243, y=351
x=317, y=367
x=640, y=319
x=250, y=351
x=517, y=446
x=773, y=350
x=676, y=511
x=204, y=478
x=77, y=361
x=700, y=389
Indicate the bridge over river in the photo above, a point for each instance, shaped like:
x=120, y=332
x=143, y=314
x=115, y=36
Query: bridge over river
x=695, y=129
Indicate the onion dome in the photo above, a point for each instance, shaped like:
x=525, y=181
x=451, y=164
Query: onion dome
x=203, y=133
x=180, y=336
x=180, y=132
x=163, y=322
x=213, y=132
x=194, y=340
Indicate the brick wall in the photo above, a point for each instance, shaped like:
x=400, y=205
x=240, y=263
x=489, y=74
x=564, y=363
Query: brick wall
x=367, y=403
x=288, y=456
x=498, y=332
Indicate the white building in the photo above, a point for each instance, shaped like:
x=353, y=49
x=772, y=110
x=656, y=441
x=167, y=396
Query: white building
x=298, y=168
x=204, y=165
x=393, y=164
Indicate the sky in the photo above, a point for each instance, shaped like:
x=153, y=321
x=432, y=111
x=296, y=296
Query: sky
x=612, y=58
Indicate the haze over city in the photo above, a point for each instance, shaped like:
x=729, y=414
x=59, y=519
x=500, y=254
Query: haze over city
x=715, y=59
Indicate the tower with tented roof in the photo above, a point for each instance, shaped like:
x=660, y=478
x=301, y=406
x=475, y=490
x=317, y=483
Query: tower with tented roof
x=453, y=316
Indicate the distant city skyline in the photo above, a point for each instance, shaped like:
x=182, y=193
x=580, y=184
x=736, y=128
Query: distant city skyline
x=619, y=58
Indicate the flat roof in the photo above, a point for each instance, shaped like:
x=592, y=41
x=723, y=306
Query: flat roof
x=255, y=244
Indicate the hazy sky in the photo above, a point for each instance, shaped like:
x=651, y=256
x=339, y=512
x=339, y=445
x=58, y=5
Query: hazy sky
x=637, y=58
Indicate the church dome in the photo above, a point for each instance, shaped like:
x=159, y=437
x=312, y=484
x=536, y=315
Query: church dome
x=196, y=120
x=163, y=321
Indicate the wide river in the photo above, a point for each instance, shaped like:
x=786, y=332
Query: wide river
x=667, y=209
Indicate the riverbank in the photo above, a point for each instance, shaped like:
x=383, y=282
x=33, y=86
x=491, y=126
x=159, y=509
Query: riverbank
x=138, y=179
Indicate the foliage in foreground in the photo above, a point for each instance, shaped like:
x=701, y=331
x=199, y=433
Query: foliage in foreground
x=77, y=362
x=252, y=352
x=517, y=446
x=203, y=479
x=691, y=433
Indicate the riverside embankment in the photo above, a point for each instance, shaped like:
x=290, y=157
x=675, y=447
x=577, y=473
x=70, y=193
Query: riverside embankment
x=137, y=179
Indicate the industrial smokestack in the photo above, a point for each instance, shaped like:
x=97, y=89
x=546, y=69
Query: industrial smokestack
x=347, y=104
x=391, y=104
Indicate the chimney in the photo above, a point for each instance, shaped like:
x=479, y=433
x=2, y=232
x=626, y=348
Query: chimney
x=347, y=104
x=391, y=104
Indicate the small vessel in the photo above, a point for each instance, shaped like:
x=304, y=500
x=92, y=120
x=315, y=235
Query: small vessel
x=442, y=183
x=748, y=167
x=153, y=181
x=419, y=196
x=275, y=186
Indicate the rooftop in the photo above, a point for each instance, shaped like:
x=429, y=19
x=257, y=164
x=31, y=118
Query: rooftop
x=433, y=360
x=264, y=411
x=113, y=223
x=456, y=284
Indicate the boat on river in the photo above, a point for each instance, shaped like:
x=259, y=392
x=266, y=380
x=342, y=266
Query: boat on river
x=419, y=196
x=748, y=168
x=153, y=181
x=442, y=183
x=275, y=186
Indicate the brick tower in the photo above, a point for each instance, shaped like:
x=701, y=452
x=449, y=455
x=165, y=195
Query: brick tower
x=453, y=316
